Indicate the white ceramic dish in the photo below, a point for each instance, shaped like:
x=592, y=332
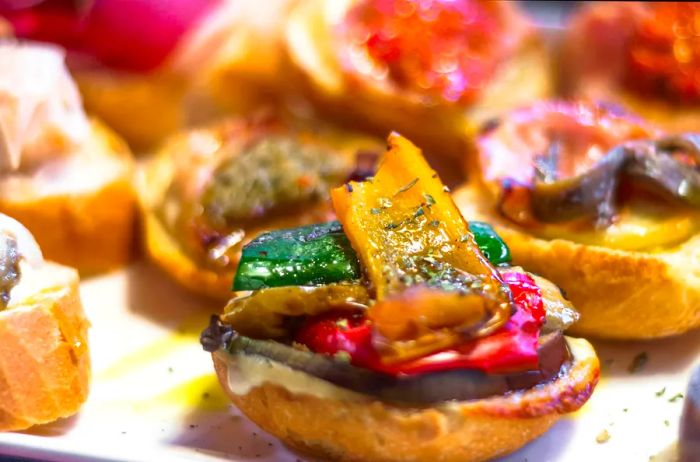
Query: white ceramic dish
x=155, y=398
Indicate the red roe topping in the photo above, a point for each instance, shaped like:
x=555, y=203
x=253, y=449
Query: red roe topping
x=445, y=48
x=664, y=53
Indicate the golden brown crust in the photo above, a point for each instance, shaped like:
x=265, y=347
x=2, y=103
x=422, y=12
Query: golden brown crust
x=246, y=73
x=239, y=71
x=164, y=250
x=153, y=180
x=91, y=230
x=44, y=358
x=439, y=129
x=467, y=431
x=144, y=109
x=619, y=294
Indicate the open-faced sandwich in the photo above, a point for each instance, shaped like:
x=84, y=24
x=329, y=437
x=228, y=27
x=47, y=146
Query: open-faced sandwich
x=44, y=360
x=148, y=68
x=65, y=177
x=212, y=189
x=400, y=332
x=431, y=70
x=642, y=55
x=601, y=203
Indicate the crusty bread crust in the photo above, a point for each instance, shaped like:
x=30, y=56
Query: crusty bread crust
x=468, y=431
x=438, y=129
x=238, y=73
x=44, y=358
x=620, y=294
x=166, y=253
x=92, y=230
x=144, y=109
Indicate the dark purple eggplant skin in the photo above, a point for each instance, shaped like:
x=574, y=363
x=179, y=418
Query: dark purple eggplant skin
x=414, y=390
x=689, y=439
x=593, y=194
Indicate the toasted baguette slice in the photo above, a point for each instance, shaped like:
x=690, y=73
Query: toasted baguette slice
x=142, y=108
x=592, y=59
x=316, y=417
x=171, y=184
x=44, y=358
x=229, y=62
x=163, y=249
x=620, y=294
x=80, y=207
x=442, y=129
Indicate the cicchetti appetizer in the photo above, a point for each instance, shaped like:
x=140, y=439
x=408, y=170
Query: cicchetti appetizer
x=147, y=69
x=428, y=69
x=644, y=56
x=211, y=190
x=400, y=332
x=601, y=203
x=64, y=176
x=44, y=359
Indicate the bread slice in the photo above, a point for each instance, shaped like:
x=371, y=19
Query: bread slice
x=228, y=63
x=163, y=249
x=143, y=109
x=620, y=294
x=44, y=357
x=441, y=129
x=592, y=58
x=327, y=421
x=80, y=207
x=170, y=185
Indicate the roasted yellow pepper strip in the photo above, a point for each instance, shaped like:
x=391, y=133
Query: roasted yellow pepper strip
x=407, y=231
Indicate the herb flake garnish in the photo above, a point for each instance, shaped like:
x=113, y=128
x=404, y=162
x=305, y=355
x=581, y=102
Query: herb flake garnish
x=407, y=186
x=429, y=200
x=675, y=397
x=661, y=392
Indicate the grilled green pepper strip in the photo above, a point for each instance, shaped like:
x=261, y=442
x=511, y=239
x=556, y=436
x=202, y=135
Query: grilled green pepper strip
x=490, y=243
x=321, y=254
x=309, y=255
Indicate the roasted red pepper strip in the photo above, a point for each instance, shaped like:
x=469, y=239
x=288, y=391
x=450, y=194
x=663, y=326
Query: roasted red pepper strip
x=512, y=348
